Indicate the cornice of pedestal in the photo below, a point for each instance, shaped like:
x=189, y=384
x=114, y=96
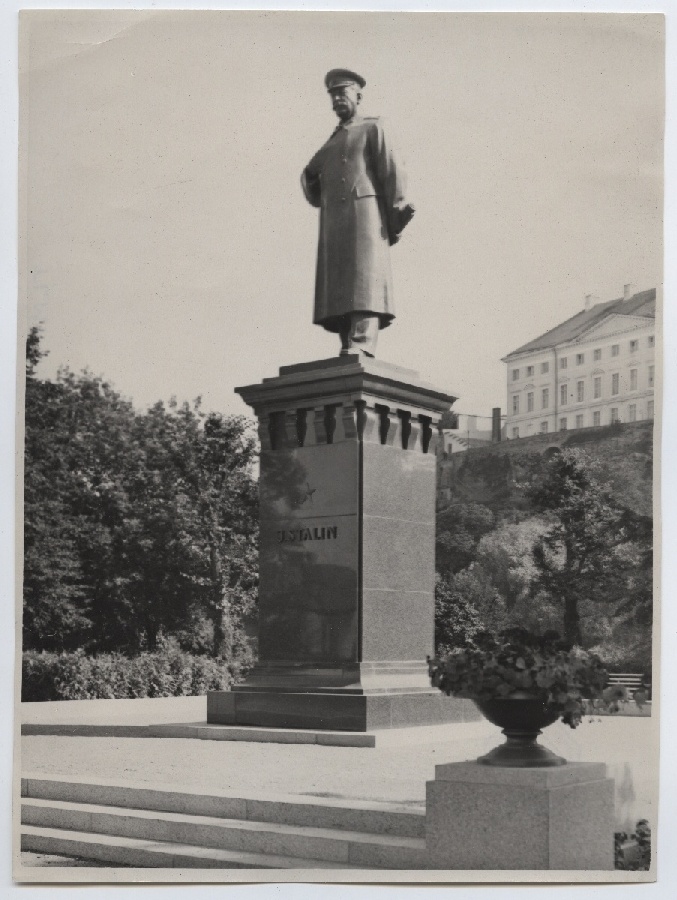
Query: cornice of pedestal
x=346, y=379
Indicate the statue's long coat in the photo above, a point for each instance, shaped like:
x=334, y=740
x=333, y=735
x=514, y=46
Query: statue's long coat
x=359, y=187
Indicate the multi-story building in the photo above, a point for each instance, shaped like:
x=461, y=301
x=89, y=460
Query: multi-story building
x=594, y=369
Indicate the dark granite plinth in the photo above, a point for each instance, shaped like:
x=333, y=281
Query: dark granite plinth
x=347, y=511
x=337, y=711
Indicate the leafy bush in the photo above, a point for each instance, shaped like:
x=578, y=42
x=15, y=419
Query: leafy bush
x=626, y=649
x=632, y=852
x=168, y=672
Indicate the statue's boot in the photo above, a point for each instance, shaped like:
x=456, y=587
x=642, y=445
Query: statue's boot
x=359, y=333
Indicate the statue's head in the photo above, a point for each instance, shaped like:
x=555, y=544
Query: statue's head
x=345, y=91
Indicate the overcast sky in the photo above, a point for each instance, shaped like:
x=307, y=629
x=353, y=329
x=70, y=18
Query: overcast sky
x=168, y=244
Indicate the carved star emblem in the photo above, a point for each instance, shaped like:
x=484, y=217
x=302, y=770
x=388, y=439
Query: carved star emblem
x=308, y=495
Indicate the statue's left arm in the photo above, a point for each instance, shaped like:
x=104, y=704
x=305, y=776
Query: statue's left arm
x=392, y=181
x=310, y=183
x=310, y=179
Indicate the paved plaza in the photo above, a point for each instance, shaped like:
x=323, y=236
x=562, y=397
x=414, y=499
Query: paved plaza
x=392, y=772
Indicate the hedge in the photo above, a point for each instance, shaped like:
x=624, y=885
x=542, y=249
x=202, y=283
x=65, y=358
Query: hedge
x=169, y=672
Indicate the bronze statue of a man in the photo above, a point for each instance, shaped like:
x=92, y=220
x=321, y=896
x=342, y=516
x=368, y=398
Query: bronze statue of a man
x=359, y=185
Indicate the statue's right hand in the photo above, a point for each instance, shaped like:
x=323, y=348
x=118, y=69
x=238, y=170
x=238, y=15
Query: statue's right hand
x=406, y=215
x=403, y=216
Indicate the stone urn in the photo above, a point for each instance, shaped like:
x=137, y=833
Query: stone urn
x=521, y=716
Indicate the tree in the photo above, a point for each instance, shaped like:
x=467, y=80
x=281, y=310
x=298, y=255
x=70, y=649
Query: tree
x=182, y=552
x=138, y=524
x=586, y=555
x=460, y=528
x=457, y=620
x=55, y=612
x=505, y=559
x=505, y=556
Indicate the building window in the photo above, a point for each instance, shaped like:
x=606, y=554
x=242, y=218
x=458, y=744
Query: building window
x=615, y=349
x=614, y=383
x=579, y=421
x=563, y=394
x=515, y=404
x=614, y=415
x=580, y=391
x=597, y=355
x=515, y=374
x=633, y=379
x=632, y=413
x=651, y=376
x=597, y=418
x=597, y=387
x=515, y=432
x=530, y=371
x=563, y=362
x=544, y=427
x=580, y=359
x=545, y=398
x=652, y=340
x=562, y=424
x=634, y=346
x=530, y=402
x=649, y=409
x=545, y=368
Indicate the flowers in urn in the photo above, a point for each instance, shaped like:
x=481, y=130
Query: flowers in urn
x=522, y=682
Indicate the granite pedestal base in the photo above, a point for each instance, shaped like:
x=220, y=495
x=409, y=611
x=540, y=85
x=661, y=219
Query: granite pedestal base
x=484, y=817
x=346, y=551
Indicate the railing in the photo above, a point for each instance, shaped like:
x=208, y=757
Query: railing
x=632, y=681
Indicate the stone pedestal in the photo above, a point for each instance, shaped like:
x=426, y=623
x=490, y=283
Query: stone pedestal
x=347, y=508
x=485, y=817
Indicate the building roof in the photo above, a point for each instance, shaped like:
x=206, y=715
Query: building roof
x=641, y=304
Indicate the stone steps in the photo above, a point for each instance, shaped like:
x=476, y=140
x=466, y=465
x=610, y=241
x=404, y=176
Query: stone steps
x=119, y=823
x=142, y=854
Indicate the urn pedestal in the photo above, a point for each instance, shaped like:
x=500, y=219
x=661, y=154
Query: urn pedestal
x=489, y=817
x=347, y=544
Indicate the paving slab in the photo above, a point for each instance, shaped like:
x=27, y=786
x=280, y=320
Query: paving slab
x=143, y=711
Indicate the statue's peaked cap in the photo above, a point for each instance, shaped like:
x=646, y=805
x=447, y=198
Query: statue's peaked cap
x=340, y=77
